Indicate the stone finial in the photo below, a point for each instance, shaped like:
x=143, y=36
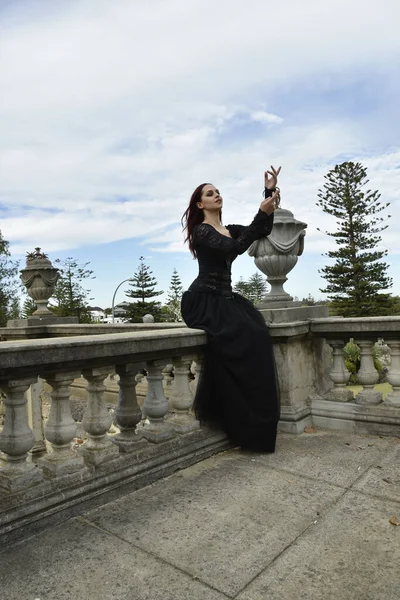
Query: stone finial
x=278, y=253
x=40, y=278
x=148, y=319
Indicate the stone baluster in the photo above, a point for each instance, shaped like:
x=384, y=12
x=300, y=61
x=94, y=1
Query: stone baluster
x=139, y=377
x=2, y=410
x=181, y=399
x=167, y=373
x=196, y=370
x=168, y=381
x=367, y=375
x=128, y=413
x=393, y=376
x=35, y=417
x=17, y=439
x=97, y=420
x=338, y=374
x=60, y=428
x=155, y=406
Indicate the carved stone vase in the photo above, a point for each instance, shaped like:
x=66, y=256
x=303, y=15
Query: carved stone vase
x=39, y=277
x=278, y=253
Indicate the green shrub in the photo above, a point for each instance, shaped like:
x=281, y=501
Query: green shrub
x=352, y=361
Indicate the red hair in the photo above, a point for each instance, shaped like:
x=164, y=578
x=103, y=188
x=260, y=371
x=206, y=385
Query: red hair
x=193, y=216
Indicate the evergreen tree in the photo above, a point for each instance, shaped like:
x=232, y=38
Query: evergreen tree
x=358, y=277
x=257, y=287
x=15, y=308
x=242, y=287
x=173, y=304
x=143, y=284
x=28, y=308
x=72, y=298
x=309, y=301
x=8, y=281
x=254, y=289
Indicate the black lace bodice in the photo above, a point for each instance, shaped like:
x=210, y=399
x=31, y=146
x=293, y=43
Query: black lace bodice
x=216, y=252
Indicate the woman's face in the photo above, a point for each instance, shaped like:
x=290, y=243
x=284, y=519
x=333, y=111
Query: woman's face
x=210, y=198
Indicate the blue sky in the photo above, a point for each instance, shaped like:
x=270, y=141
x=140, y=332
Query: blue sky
x=113, y=112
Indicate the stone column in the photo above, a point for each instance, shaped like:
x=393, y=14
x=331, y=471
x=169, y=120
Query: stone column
x=196, y=369
x=155, y=406
x=17, y=439
x=167, y=373
x=35, y=417
x=128, y=413
x=60, y=429
x=2, y=410
x=181, y=399
x=168, y=380
x=367, y=375
x=393, y=376
x=338, y=374
x=97, y=420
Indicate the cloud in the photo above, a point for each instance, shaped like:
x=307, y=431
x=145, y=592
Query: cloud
x=265, y=117
x=112, y=113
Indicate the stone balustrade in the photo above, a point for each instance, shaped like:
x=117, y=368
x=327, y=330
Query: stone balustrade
x=45, y=468
x=368, y=410
x=159, y=432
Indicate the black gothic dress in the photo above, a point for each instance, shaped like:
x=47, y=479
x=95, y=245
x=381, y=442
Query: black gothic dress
x=238, y=389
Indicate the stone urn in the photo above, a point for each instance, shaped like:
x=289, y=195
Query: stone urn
x=278, y=253
x=39, y=277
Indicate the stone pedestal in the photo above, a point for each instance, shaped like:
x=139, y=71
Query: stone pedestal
x=18, y=476
x=302, y=362
x=290, y=312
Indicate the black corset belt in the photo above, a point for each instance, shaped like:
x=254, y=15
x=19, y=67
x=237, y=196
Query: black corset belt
x=213, y=282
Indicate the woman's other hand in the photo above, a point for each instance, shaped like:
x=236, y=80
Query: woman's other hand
x=271, y=178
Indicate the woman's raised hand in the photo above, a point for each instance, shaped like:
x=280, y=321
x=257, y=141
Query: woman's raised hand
x=268, y=205
x=271, y=178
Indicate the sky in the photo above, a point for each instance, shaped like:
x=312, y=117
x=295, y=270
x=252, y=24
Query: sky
x=111, y=114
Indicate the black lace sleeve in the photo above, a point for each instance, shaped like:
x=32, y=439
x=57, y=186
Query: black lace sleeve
x=242, y=237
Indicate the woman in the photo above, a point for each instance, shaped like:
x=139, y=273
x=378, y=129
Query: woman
x=238, y=389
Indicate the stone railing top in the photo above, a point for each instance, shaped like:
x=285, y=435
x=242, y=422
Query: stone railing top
x=84, y=351
x=357, y=327
x=31, y=356
x=88, y=328
x=41, y=329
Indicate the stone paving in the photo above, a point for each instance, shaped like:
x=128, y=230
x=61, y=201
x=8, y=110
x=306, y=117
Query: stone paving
x=311, y=521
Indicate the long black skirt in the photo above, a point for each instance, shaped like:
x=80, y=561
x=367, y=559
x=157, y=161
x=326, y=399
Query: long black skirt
x=238, y=389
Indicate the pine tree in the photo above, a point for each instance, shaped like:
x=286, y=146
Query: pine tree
x=173, y=304
x=8, y=281
x=28, y=308
x=15, y=308
x=254, y=289
x=242, y=287
x=143, y=284
x=72, y=299
x=358, y=277
x=257, y=288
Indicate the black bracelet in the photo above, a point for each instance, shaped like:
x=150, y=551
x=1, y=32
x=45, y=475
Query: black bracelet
x=268, y=193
